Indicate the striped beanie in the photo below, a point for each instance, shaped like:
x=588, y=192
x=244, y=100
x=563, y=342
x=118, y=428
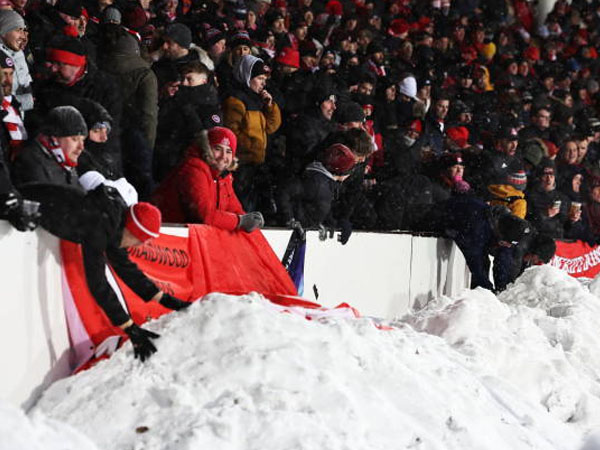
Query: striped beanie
x=517, y=179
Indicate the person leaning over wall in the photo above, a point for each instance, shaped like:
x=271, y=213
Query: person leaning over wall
x=200, y=189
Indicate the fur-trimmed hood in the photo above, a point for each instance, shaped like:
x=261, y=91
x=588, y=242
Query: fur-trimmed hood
x=201, y=149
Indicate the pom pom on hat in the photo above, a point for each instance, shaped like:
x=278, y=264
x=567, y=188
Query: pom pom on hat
x=222, y=136
x=143, y=221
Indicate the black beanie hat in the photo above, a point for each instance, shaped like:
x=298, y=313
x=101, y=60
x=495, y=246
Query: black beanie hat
x=259, y=68
x=179, y=33
x=73, y=8
x=544, y=247
x=350, y=112
x=64, y=121
x=512, y=228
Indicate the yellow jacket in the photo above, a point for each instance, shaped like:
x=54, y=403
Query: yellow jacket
x=251, y=124
x=509, y=196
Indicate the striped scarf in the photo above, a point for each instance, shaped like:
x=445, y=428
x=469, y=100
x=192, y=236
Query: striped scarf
x=14, y=125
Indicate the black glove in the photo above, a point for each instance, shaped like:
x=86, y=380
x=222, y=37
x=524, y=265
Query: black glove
x=346, y=231
x=251, y=221
x=21, y=216
x=168, y=301
x=297, y=227
x=140, y=339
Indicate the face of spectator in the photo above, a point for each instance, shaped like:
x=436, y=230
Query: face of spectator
x=327, y=60
x=459, y=34
x=441, y=43
x=512, y=68
x=596, y=194
x=441, y=108
x=542, y=119
x=465, y=117
x=378, y=57
x=509, y=146
x=257, y=84
x=309, y=17
x=99, y=134
x=524, y=68
x=278, y=26
x=240, y=50
x=576, y=182
x=457, y=170
x=327, y=108
x=568, y=101
x=15, y=39
x=192, y=79
x=7, y=80
x=365, y=88
x=19, y=4
x=72, y=146
x=217, y=49
x=301, y=32
x=222, y=157
x=466, y=83
x=64, y=73
x=129, y=240
x=172, y=50
x=582, y=148
x=548, y=179
x=309, y=61
x=571, y=152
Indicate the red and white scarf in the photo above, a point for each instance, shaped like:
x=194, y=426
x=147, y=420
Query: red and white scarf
x=53, y=147
x=13, y=124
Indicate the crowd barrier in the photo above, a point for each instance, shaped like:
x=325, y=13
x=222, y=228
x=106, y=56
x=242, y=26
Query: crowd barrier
x=382, y=275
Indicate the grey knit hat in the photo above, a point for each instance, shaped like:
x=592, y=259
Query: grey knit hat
x=10, y=20
x=111, y=15
x=64, y=121
x=180, y=33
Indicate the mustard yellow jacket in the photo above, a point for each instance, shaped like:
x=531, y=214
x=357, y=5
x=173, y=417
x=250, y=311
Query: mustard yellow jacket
x=251, y=121
x=509, y=196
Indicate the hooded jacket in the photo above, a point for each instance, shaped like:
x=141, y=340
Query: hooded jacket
x=509, y=196
x=194, y=193
x=249, y=118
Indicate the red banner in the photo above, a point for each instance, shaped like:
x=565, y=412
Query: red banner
x=210, y=260
x=577, y=258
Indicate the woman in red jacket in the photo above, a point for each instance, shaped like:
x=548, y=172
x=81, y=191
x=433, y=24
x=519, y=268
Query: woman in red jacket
x=200, y=189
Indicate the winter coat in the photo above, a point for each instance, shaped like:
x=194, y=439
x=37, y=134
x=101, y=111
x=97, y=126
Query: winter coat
x=303, y=137
x=471, y=224
x=308, y=198
x=21, y=78
x=180, y=118
x=34, y=164
x=194, y=193
x=248, y=117
x=509, y=196
x=138, y=87
x=538, y=202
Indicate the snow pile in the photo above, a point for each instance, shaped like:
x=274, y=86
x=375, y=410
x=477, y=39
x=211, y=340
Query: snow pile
x=18, y=432
x=541, y=338
x=232, y=373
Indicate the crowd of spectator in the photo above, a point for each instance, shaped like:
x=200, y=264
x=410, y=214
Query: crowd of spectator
x=344, y=114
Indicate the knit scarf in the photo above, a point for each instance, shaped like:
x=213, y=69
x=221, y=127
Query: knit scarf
x=51, y=146
x=14, y=125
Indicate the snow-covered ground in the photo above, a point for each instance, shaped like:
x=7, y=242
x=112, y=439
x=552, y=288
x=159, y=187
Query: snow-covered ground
x=518, y=371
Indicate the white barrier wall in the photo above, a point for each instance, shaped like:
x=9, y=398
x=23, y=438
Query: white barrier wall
x=381, y=275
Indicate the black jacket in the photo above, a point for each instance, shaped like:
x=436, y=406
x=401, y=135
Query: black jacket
x=34, y=164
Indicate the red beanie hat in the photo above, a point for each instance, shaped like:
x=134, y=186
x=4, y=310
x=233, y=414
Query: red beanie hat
x=223, y=136
x=289, y=57
x=334, y=8
x=143, y=221
x=339, y=159
x=460, y=136
x=416, y=125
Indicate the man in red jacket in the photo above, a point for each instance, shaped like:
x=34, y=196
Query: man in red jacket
x=200, y=189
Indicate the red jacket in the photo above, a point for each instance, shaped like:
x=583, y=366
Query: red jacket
x=193, y=193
